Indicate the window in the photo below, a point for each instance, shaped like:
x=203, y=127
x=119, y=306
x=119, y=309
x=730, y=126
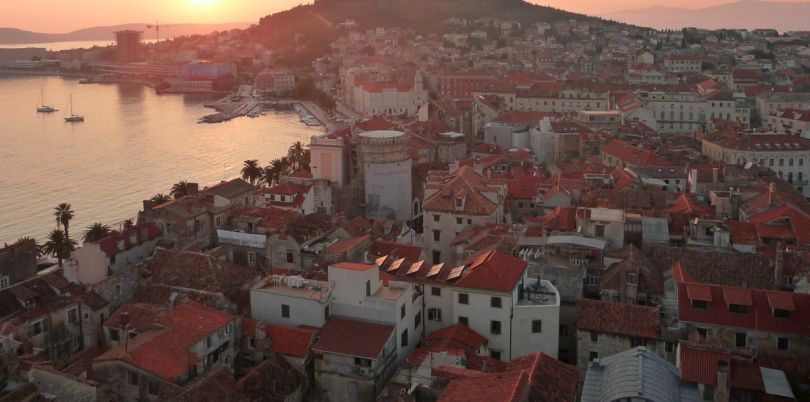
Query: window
x=209, y=341
x=782, y=343
x=537, y=326
x=152, y=388
x=495, y=354
x=638, y=342
x=404, y=338
x=703, y=333
x=435, y=291
x=36, y=328
x=740, y=339
x=437, y=256
x=594, y=336
x=361, y=362
x=229, y=328
x=114, y=334
x=600, y=231
x=701, y=304
x=669, y=347
x=368, y=288
x=417, y=319
x=738, y=308
x=495, y=327
x=463, y=298
x=133, y=378
x=402, y=311
x=459, y=221
x=469, y=221
x=780, y=313
x=285, y=311
x=464, y=320
x=290, y=257
x=251, y=257
x=326, y=313
x=495, y=302
x=434, y=314
x=437, y=235
x=5, y=281
x=593, y=356
x=563, y=330
x=73, y=316
x=435, y=218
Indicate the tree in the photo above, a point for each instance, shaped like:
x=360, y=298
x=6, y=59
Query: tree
x=160, y=198
x=128, y=225
x=296, y=154
x=251, y=170
x=180, y=189
x=63, y=215
x=96, y=232
x=58, y=245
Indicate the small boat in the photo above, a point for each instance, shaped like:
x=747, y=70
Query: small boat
x=42, y=107
x=73, y=118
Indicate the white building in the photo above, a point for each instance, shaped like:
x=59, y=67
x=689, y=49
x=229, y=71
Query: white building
x=387, y=174
x=387, y=99
x=683, y=63
x=493, y=295
x=769, y=103
x=454, y=201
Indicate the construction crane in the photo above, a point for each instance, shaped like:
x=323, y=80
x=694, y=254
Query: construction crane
x=157, y=27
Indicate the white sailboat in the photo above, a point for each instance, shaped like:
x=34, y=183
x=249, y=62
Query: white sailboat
x=73, y=118
x=42, y=107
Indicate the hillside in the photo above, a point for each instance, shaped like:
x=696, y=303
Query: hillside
x=749, y=14
x=317, y=21
x=17, y=36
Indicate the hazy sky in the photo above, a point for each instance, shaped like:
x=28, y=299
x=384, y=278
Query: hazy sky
x=67, y=15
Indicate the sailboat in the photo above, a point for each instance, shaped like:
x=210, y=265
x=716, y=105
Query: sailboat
x=42, y=107
x=73, y=118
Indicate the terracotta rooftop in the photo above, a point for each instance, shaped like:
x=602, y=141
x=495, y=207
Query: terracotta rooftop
x=617, y=318
x=353, y=337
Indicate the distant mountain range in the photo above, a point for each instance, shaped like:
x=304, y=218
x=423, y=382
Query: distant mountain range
x=18, y=36
x=748, y=14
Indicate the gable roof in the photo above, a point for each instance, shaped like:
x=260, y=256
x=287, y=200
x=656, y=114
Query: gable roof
x=633, y=155
x=494, y=387
x=465, y=184
x=550, y=380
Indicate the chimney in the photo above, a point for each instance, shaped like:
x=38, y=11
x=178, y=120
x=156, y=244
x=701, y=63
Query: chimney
x=778, y=264
x=193, y=188
x=771, y=191
x=715, y=174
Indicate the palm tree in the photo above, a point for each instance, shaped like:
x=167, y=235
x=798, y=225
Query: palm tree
x=296, y=154
x=251, y=170
x=179, y=189
x=128, y=225
x=58, y=245
x=63, y=215
x=96, y=232
x=160, y=198
x=26, y=239
x=273, y=171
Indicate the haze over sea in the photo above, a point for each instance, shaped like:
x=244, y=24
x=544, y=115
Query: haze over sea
x=133, y=144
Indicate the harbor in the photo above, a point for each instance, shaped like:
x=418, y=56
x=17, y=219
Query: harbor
x=248, y=104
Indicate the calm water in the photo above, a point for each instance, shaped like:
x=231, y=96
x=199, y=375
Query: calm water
x=133, y=144
x=56, y=46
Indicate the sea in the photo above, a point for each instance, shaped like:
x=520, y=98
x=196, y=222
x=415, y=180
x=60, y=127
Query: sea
x=134, y=143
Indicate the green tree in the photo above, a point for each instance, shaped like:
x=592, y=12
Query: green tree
x=251, y=171
x=179, y=189
x=63, y=215
x=96, y=232
x=58, y=245
x=296, y=154
x=160, y=198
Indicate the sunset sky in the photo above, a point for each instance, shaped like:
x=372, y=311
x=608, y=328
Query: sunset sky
x=58, y=16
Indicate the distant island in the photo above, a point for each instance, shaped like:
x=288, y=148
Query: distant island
x=744, y=14
x=12, y=36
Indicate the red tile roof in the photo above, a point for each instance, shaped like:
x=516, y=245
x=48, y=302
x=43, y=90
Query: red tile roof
x=290, y=341
x=633, y=155
x=353, y=337
x=496, y=387
x=349, y=244
x=493, y=271
x=550, y=380
x=617, y=318
x=398, y=250
x=467, y=184
x=760, y=314
x=458, y=333
x=167, y=352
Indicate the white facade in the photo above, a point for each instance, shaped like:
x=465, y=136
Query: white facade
x=524, y=326
x=387, y=174
x=327, y=162
x=282, y=302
